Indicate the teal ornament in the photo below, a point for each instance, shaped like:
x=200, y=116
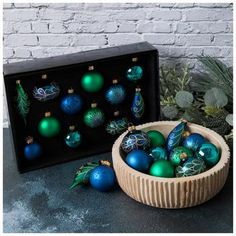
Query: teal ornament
x=137, y=107
x=158, y=153
x=73, y=138
x=209, y=153
x=115, y=94
x=193, y=166
x=175, y=136
x=194, y=141
x=134, y=73
x=117, y=126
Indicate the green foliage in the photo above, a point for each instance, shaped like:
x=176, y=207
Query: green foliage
x=170, y=111
x=215, y=97
x=184, y=99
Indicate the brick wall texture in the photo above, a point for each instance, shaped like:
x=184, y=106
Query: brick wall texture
x=180, y=32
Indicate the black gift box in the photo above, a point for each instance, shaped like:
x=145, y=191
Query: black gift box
x=67, y=70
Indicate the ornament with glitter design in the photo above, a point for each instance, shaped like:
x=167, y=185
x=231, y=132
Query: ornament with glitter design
x=137, y=107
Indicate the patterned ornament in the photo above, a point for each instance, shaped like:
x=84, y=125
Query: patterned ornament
x=73, y=138
x=49, y=126
x=71, y=103
x=139, y=160
x=92, y=82
x=137, y=107
x=23, y=103
x=135, y=140
x=179, y=155
x=194, y=141
x=156, y=137
x=175, y=136
x=94, y=117
x=209, y=153
x=162, y=168
x=134, y=73
x=117, y=126
x=116, y=93
x=193, y=166
x=33, y=150
x=158, y=153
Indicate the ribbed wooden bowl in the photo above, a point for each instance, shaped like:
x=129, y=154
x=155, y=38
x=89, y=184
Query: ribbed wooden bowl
x=172, y=192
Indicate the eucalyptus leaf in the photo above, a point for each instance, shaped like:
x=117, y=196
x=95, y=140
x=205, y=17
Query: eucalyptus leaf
x=229, y=119
x=184, y=99
x=170, y=112
x=215, y=97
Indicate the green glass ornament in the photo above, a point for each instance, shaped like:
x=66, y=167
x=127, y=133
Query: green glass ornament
x=92, y=82
x=156, y=137
x=73, y=138
x=162, y=168
x=209, y=153
x=94, y=117
x=180, y=155
x=158, y=153
x=49, y=126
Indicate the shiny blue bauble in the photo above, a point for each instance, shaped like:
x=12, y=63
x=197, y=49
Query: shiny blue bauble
x=194, y=141
x=139, y=160
x=115, y=94
x=71, y=104
x=32, y=151
x=102, y=178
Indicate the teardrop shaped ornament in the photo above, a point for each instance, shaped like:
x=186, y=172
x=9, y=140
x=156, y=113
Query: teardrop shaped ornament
x=137, y=107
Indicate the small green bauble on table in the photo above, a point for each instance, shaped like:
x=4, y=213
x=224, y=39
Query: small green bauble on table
x=156, y=137
x=162, y=168
x=92, y=82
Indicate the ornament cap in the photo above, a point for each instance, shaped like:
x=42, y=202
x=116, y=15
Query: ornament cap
x=47, y=114
x=90, y=68
x=134, y=59
x=114, y=81
x=184, y=120
x=29, y=140
x=44, y=76
x=71, y=127
x=116, y=113
x=71, y=90
x=94, y=105
x=186, y=134
x=183, y=155
x=105, y=162
x=18, y=81
x=131, y=127
x=137, y=89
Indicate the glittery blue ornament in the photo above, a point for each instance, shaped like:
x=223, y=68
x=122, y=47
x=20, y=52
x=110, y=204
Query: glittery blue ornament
x=137, y=107
x=33, y=150
x=158, y=153
x=194, y=141
x=73, y=138
x=115, y=94
x=102, y=178
x=139, y=160
x=134, y=73
x=175, y=136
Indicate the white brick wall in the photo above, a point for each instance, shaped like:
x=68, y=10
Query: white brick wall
x=181, y=31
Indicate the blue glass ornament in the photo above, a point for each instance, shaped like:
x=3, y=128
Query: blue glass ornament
x=135, y=140
x=102, y=178
x=139, y=160
x=194, y=141
x=134, y=73
x=158, y=153
x=71, y=103
x=175, y=136
x=73, y=138
x=33, y=150
x=115, y=94
x=137, y=107
x=117, y=126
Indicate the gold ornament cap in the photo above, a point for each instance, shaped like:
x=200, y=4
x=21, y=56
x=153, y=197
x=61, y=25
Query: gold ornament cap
x=94, y=105
x=44, y=76
x=29, y=140
x=183, y=155
x=71, y=127
x=116, y=113
x=114, y=81
x=134, y=59
x=90, y=68
x=18, y=81
x=131, y=127
x=137, y=89
x=105, y=162
x=47, y=114
x=71, y=90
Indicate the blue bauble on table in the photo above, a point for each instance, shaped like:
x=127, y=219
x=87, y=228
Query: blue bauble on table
x=71, y=103
x=102, y=178
x=115, y=94
x=194, y=141
x=33, y=150
x=139, y=160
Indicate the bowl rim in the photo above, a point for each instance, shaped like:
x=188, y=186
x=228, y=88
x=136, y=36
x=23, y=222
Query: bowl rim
x=224, y=159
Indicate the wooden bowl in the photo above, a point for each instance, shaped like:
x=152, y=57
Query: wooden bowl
x=172, y=192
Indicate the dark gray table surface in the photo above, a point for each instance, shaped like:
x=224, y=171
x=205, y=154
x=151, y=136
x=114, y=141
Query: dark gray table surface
x=40, y=201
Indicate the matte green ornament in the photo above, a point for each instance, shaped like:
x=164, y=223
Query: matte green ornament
x=156, y=137
x=180, y=155
x=49, y=126
x=162, y=168
x=92, y=82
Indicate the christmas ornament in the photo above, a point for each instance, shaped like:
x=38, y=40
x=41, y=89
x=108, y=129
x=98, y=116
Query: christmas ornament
x=193, y=166
x=94, y=117
x=134, y=73
x=102, y=178
x=179, y=155
x=158, y=153
x=117, y=126
x=194, y=141
x=71, y=103
x=23, y=103
x=209, y=153
x=162, y=168
x=156, y=137
x=115, y=94
x=139, y=160
x=92, y=82
x=33, y=150
x=175, y=136
x=137, y=107
x=49, y=126
x=47, y=92
x=135, y=140
x=73, y=138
